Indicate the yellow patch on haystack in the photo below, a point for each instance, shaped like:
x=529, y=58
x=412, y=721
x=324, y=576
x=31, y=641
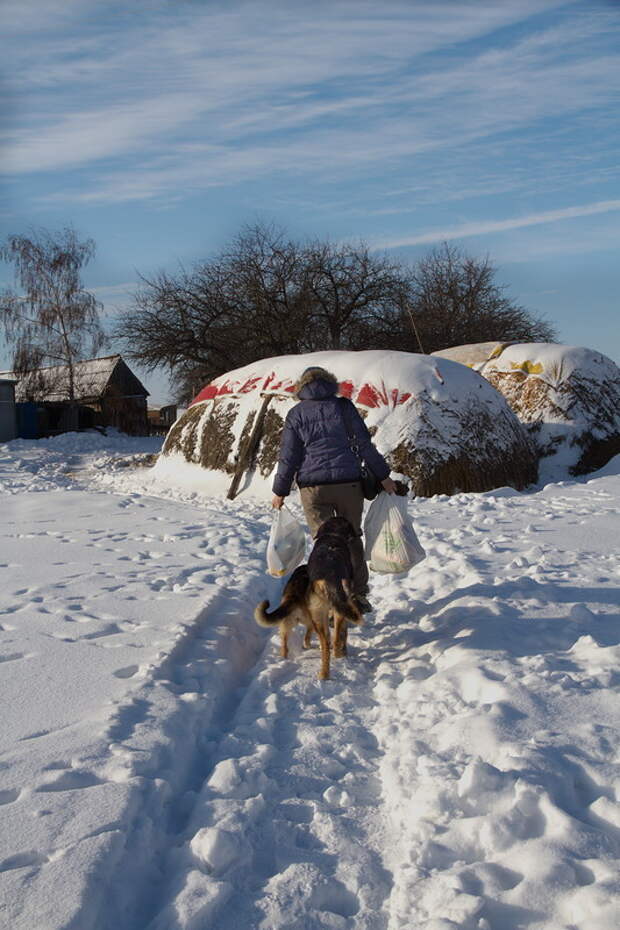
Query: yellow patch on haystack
x=497, y=351
x=527, y=367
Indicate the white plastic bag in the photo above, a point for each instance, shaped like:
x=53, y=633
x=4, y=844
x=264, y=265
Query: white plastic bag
x=287, y=544
x=391, y=541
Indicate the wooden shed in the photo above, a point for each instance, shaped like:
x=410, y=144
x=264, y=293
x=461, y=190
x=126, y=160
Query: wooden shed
x=106, y=393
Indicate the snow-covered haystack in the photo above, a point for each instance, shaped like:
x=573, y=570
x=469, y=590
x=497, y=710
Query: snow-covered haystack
x=474, y=354
x=568, y=397
x=439, y=423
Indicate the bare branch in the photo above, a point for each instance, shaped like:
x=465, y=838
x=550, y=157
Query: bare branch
x=52, y=319
x=267, y=295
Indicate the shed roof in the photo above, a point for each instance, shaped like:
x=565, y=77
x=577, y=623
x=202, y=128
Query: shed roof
x=92, y=377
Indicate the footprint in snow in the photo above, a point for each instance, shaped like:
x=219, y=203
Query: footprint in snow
x=22, y=861
x=335, y=898
x=80, y=619
x=581, y=613
x=71, y=780
x=297, y=812
x=112, y=629
x=12, y=610
x=489, y=878
x=127, y=672
x=36, y=735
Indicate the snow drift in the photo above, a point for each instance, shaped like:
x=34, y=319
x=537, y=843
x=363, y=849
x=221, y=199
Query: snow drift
x=568, y=397
x=439, y=424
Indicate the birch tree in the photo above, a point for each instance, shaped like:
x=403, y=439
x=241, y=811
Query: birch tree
x=48, y=318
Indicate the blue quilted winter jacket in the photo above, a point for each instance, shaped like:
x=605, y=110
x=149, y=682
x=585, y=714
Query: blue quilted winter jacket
x=315, y=446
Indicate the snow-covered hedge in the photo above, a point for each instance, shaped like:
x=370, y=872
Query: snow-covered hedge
x=440, y=424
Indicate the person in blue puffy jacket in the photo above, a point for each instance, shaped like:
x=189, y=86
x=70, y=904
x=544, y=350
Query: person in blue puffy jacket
x=315, y=451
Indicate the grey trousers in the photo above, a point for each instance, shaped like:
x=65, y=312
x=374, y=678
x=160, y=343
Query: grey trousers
x=322, y=501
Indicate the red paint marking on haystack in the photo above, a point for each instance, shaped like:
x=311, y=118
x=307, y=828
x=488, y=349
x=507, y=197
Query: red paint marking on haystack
x=368, y=395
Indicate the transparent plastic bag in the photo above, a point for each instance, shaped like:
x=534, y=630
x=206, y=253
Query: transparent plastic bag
x=287, y=544
x=391, y=542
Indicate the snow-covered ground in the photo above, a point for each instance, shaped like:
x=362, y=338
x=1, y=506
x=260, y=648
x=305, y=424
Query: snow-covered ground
x=161, y=767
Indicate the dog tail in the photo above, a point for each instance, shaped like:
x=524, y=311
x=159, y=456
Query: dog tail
x=263, y=618
x=336, y=595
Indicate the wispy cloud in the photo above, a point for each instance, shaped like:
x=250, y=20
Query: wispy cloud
x=408, y=101
x=108, y=293
x=405, y=122
x=493, y=226
x=242, y=78
x=114, y=297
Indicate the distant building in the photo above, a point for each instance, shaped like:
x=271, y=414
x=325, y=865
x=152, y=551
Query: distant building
x=162, y=418
x=8, y=415
x=106, y=393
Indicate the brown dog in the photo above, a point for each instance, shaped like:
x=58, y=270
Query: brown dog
x=317, y=592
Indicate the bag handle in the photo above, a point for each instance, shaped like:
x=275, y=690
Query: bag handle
x=276, y=511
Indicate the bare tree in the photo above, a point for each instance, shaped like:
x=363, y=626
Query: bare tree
x=354, y=294
x=455, y=300
x=51, y=320
x=267, y=295
x=241, y=305
x=263, y=295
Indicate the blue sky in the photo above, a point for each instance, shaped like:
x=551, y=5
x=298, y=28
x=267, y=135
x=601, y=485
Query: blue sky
x=159, y=128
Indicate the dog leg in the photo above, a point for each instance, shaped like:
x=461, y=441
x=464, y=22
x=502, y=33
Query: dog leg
x=283, y=642
x=340, y=636
x=322, y=631
x=308, y=638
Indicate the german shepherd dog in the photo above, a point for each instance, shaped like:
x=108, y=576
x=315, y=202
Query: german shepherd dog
x=318, y=592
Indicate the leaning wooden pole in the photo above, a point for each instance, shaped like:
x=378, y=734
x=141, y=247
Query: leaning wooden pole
x=246, y=454
x=415, y=328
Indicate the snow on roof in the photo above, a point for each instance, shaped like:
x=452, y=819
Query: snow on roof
x=91, y=379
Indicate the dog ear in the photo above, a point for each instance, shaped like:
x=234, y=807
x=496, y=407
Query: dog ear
x=345, y=527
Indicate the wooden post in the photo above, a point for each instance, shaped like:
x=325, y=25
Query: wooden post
x=247, y=453
x=415, y=328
